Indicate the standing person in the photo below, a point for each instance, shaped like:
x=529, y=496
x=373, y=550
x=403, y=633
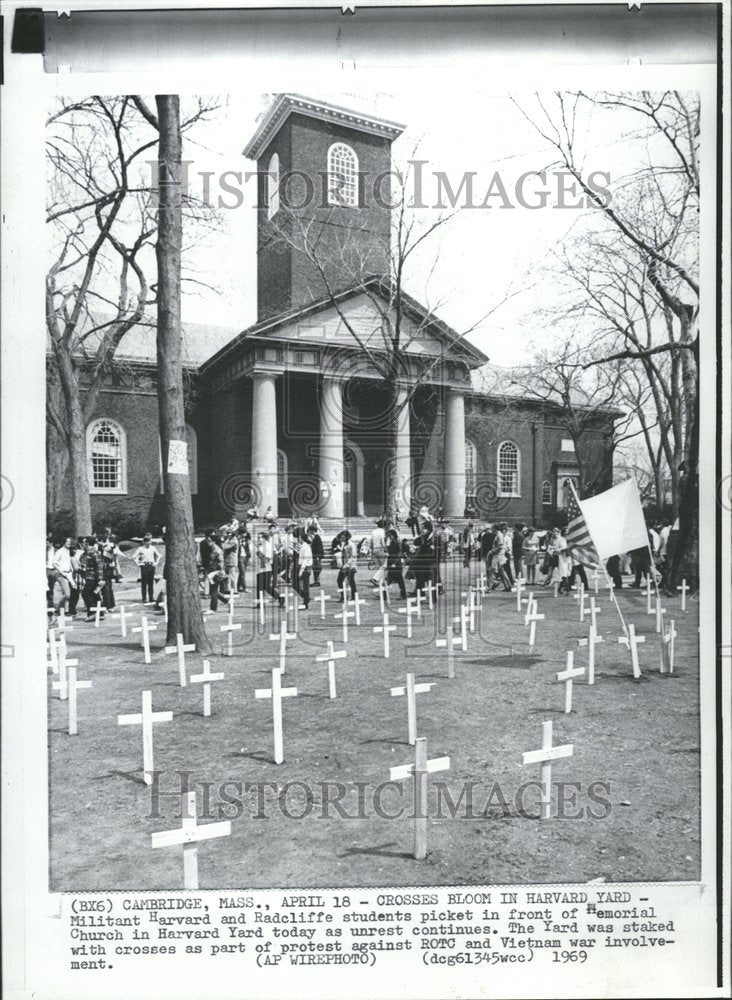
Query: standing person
x=93, y=573
x=230, y=548
x=530, y=554
x=664, y=532
x=507, y=552
x=517, y=546
x=109, y=543
x=50, y=571
x=412, y=522
x=304, y=566
x=640, y=564
x=265, y=576
x=64, y=578
x=110, y=567
x=578, y=570
x=378, y=551
x=204, y=556
x=551, y=562
x=245, y=556
x=217, y=575
x=394, y=562
x=613, y=569
x=147, y=557
x=316, y=546
x=496, y=563
x=468, y=540
x=564, y=562
x=348, y=563
x=423, y=559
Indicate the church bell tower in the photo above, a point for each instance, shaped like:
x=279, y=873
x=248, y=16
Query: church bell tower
x=324, y=200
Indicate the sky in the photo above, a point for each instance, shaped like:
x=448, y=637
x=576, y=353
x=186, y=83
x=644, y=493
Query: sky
x=490, y=260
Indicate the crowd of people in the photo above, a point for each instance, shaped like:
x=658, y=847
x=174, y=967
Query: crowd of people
x=87, y=568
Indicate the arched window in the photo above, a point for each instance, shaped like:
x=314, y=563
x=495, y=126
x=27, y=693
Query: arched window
x=342, y=175
x=281, y=473
x=106, y=456
x=546, y=492
x=273, y=186
x=192, y=440
x=471, y=462
x=509, y=469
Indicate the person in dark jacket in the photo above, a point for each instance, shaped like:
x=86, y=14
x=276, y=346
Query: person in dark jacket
x=93, y=572
x=316, y=544
x=394, y=564
x=423, y=559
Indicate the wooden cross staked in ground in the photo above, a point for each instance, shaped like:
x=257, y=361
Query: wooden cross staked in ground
x=74, y=685
x=531, y=620
x=631, y=640
x=668, y=648
x=190, y=835
x=145, y=629
x=462, y=619
x=205, y=678
x=98, y=609
x=411, y=690
x=322, y=598
x=230, y=629
x=52, y=649
x=344, y=614
x=329, y=657
x=591, y=641
x=431, y=591
x=660, y=612
x=64, y=665
x=419, y=771
x=409, y=610
x=123, y=615
x=385, y=628
x=283, y=635
x=147, y=718
x=181, y=649
x=568, y=676
x=529, y=607
x=277, y=693
x=594, y=612
x=357, y=601
x=544, y=758
x=683, y=588
x=449, y=643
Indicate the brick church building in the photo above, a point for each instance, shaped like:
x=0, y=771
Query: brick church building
x=289, y=414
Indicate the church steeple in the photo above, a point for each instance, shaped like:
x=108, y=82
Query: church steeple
x=324, y=181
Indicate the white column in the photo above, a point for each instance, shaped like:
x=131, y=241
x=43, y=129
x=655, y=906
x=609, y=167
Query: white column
x=403, y=450
x=264, y=439
x=331, y=447
x=454, y=454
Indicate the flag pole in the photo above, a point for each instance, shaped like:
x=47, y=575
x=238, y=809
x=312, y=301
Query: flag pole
x=602, y=564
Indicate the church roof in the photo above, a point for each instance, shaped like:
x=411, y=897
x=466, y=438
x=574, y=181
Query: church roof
x=527, y=384
x=459, y=347
x=287, y=104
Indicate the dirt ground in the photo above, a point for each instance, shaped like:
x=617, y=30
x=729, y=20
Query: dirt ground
x=629, y=798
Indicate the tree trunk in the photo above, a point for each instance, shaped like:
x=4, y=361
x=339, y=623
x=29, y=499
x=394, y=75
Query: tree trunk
x=685, y=561
x=80, y=498
x=184, y=603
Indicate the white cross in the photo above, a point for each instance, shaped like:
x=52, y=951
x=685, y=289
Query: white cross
x=292, y=603
x=590, y=642
x=660, y=612
x=345, y=614
x=582, y=597
x=408, y=611
x=98, y=612
x=668, y=648
x=230, y=629
x=52, y=660
x=471, y=607
x=386, y=628
x=544, y=757
x=529, y=607
x=483, y=584
x=123, y=616
x=531, y=620
x=145, y=629
x=419, y=771
x=411, y=690
x=462, y=618
x=205, y=678
x=357, y=602
x=181, y=649
x=519, y=588
x=418, y=598
x=283, y=635
x=449, y=643
x=431, y=590
x=649, y=608
x=189, y=835
x=329, y=657
x=568, y=676
x=146, y=719
x=62, y=684
x=683, y=588
x=323, y=598
x=631, y=640
x=383, y=596
x=277, y=693
x=73, y=686
x=594, y=612
x=61, y=623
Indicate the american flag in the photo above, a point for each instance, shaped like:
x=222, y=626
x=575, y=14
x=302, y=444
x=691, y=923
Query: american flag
x=579, y=541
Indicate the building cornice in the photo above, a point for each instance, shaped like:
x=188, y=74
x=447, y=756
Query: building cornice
x=287, y=104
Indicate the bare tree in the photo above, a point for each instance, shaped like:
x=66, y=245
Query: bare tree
x=653, y=214
x=102, y=220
